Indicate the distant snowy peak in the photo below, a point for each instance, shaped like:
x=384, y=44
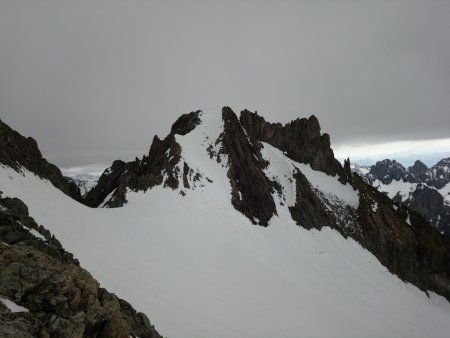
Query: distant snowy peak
x=361, y=170
x=85, y=182
x=425, y=190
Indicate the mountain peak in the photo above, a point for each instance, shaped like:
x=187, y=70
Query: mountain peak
x=186, y=123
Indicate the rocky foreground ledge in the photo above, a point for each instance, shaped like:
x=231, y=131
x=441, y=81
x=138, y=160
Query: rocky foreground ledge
x=45, y=292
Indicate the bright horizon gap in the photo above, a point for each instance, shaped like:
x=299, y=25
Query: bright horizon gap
x=393, y=149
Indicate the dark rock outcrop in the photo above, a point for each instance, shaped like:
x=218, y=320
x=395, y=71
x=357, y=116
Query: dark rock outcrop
x=63, y=299
x=431, y=205
x=309, y=210
x=300, y=139
x=159, y=167
x=17, y=151
x=313, y=209
x=107, y=183
x=250, y=188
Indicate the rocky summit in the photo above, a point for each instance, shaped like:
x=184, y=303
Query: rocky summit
x=422, y=189
x=399, y=237
x=228, y=226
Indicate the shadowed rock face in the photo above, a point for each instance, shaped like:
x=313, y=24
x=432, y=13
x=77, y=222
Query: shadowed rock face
x=63, y=299
x=18, y=151
x=300, y=139
x=309, y=210
x=419, y=170
x=250, y=188
x=312, y=209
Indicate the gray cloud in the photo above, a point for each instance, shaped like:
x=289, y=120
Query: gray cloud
x=95, y=80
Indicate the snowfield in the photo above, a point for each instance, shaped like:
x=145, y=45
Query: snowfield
x=199, y=268
x=405, y=189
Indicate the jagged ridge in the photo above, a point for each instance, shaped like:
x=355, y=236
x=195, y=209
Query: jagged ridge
x=145, y=173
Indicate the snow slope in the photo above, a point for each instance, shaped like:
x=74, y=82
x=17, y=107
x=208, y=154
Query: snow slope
x=404, y=189
x=199, y=268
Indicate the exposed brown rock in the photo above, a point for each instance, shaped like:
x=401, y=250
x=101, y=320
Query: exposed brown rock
x=250, y=188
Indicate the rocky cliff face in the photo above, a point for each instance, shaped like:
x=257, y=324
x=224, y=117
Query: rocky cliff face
x=17, y=151
x=422, y=189
x=62, y=299
x=300, y=139
x=251, y=190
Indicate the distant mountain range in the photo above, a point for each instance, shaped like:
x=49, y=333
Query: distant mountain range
x=425, y=190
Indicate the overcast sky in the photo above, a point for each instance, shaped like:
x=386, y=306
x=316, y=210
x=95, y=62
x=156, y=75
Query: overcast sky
x=93, y=81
